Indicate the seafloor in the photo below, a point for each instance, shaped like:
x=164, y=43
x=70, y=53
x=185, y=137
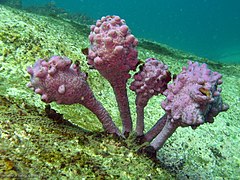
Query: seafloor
x=33, y=146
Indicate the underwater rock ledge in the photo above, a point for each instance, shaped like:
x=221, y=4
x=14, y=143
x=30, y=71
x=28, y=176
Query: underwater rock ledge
x=32, y=145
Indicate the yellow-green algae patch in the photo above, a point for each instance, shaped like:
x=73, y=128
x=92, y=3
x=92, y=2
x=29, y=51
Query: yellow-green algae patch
x=33, y=146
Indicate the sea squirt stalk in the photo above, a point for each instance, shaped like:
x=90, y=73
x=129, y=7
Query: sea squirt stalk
x=152, y=79
x=61, y=81
x=186, y=104
x=112, y=52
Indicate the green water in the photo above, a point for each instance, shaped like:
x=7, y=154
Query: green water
x=207, y=28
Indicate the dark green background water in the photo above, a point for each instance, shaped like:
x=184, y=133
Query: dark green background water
x=208, y=28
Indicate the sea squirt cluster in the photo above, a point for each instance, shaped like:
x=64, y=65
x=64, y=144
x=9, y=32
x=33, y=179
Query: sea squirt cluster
x=193, y=97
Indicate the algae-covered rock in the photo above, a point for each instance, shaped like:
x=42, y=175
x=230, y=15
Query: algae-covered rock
x=35, y=146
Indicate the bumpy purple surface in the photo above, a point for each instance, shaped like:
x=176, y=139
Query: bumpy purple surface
x=151, y=80
x=194, y=98
x=58, y=80
x=112, y=51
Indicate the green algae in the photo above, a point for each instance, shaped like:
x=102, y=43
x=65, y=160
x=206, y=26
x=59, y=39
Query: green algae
x=34, y=146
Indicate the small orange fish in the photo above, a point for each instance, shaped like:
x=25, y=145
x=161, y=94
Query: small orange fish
x=206, y=92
